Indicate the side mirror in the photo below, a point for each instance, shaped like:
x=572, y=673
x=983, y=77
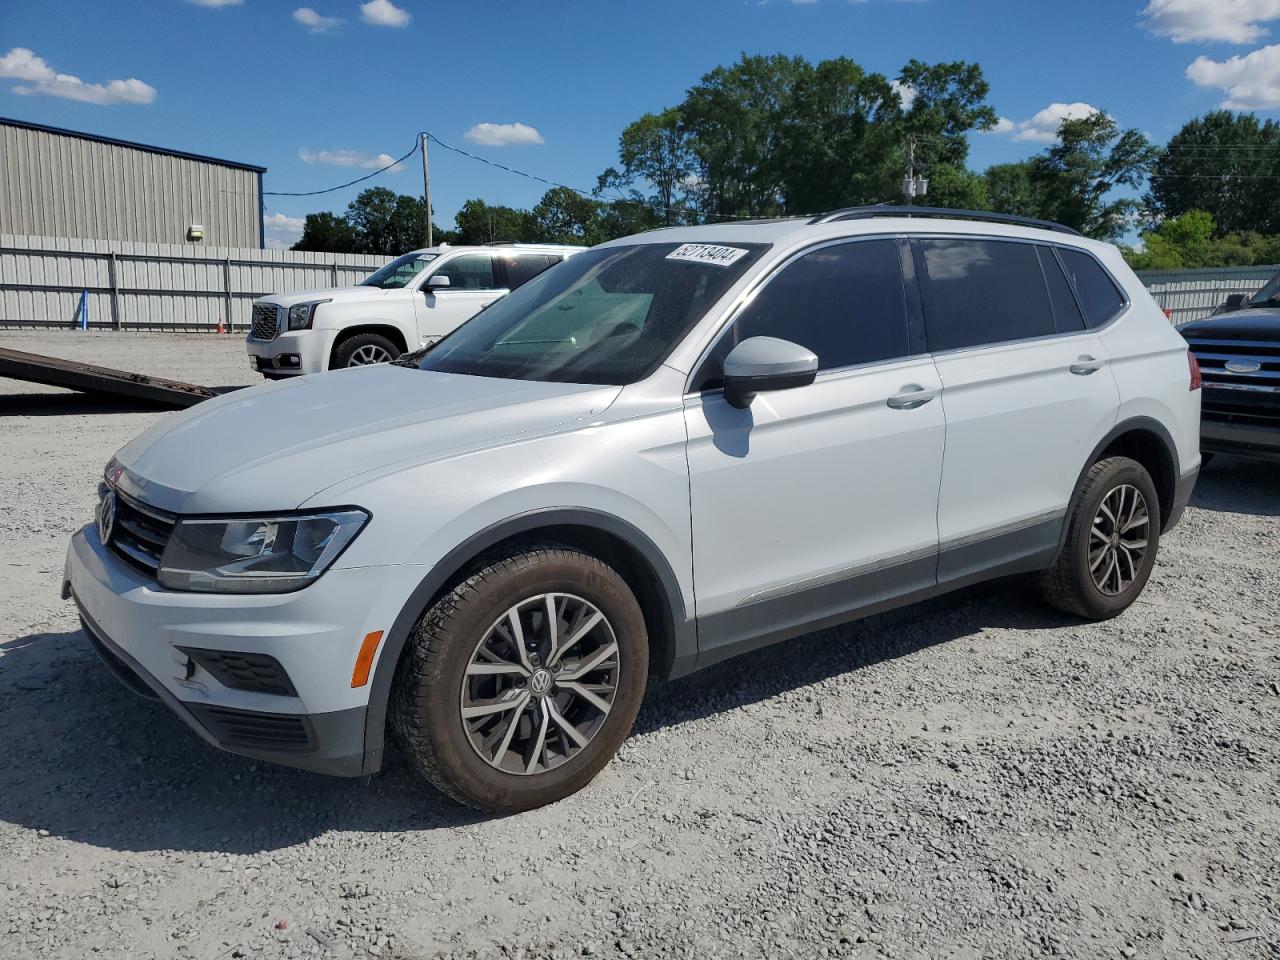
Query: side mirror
x=438, y=281
x=759, y=364
x=1235, y=302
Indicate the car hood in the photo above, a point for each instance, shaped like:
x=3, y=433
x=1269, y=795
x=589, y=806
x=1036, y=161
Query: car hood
x=274, y=446
x=1253, y=323
x=336, y=294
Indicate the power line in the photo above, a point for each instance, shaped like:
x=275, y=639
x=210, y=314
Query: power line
x=342, y=186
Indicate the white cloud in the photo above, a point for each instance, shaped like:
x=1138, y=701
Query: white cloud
x=314, y=22
x=1232, y=21
x=40, y=79
x=1044, y=126
x=503, y=135
x=1251, y=82
x=384, y=13
x=906, y=91
x=217, y=3
x=346, y=158
x=281, y=231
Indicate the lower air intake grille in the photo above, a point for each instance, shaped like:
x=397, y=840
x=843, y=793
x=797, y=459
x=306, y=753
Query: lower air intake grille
x=247, y=730
x=256, y=672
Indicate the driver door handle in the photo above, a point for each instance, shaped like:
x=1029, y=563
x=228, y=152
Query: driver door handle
x=911, y=396
x=1085, y=365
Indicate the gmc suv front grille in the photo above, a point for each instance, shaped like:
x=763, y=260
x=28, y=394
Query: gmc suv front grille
x=138, y=533
x=265, y=326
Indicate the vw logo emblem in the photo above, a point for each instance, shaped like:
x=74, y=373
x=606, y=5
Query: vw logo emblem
x=106, y=516
x=540, y=683
x=1243, y=366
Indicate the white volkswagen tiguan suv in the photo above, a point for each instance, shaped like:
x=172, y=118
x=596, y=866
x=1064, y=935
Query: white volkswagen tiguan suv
x=410, y=302
x=668, y=450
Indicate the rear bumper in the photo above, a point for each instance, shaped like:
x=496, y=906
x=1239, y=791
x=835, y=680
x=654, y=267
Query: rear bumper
x=1182, y=491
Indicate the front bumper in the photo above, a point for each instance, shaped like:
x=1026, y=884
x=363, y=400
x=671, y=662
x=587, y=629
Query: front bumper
x=141, y=632
x=1242, y=440
x=310, y=349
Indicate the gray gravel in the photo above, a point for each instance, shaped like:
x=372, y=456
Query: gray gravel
x=977, y=777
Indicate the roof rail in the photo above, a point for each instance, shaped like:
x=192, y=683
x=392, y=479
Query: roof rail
x=503, y=243
x=870, y=213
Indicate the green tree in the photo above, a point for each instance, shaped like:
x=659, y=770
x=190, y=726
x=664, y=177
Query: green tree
x=327, y=232
x=1226, y=164
x=566, y=216
x=837, y=137
x=1075, y=177
x=655, y=151
x=733, y=118
x=478, y=222
x=387, y=223
x=1010, y=189
x=947, y=102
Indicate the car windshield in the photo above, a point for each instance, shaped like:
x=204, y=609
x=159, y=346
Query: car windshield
x=399, y=272
x=1268, y=293
x=606, y=316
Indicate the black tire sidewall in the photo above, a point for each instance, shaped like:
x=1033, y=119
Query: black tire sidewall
x=1102, y=605
x=439, y=704
x=343, y=351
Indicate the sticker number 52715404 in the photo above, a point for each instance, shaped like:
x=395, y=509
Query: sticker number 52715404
x=707, y=253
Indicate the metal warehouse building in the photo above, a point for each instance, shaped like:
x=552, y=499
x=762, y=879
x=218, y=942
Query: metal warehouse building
x=61, y=183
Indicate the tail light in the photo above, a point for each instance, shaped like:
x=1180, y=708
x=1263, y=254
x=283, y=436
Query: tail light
x=1197, y=381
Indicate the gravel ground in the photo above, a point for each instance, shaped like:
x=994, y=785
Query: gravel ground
x=976, y=777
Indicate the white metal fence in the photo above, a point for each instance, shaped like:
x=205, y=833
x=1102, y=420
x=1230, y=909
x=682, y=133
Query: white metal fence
x=154, y=286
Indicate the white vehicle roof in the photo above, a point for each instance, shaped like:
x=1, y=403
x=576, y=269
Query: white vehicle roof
x=499, y=247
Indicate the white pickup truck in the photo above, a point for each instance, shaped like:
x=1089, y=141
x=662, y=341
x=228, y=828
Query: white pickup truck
x=412, y=301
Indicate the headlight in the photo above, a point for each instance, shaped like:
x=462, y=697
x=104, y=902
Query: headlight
x=258, y=555
x=301, y=314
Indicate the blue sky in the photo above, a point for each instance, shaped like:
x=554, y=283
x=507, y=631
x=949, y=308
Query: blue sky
x=303, y=90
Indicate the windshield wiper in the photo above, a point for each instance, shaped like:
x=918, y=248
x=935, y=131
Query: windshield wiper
x=413, y=357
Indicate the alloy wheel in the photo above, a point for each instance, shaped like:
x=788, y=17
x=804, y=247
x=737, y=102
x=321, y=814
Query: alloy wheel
x=369, y=353
x=1118, y=539
x=540, y=683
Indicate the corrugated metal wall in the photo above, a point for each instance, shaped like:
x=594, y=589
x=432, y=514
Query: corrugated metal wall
x=55, y=185
x=152, y=286
x=1192, y=294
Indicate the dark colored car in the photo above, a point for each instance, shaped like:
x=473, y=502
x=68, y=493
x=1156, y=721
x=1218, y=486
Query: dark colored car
x=1239, y=355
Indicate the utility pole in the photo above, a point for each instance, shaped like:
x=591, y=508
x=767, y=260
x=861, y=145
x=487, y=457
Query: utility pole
x=426, y=185
x=913, y=186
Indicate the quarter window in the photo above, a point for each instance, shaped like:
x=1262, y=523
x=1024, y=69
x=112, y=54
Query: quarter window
x=526, y=266
x=845, y=303
x=473, y=271
x=1098, y=294
x=982, y=291
x=1067, y=317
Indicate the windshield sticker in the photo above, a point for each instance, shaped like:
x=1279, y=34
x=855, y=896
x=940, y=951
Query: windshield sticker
x=707, y=253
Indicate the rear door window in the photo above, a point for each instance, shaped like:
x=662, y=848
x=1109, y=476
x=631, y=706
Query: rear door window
x=1067, y=317
x=978, y=292
x=1098, y=294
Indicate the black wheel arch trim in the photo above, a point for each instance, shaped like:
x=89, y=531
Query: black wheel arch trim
x=681, y=625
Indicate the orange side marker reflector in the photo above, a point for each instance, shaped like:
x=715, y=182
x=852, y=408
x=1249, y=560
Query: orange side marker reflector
x=364, y=659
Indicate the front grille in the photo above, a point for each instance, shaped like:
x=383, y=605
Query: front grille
x=1214, y=356
x=1241, y=414
x=248, y=730
x=265, y=326
x=256, y=672
x=140, y=533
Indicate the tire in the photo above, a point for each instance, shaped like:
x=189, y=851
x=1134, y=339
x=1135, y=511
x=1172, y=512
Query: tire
x=1072, y=583
x=358, y=349
x=470, y=627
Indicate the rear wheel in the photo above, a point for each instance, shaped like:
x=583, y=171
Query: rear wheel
x=519, y=684
x=1113, y=532
x=363, y=349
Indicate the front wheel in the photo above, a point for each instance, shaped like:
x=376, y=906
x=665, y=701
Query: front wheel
x=1113, y=532
x=519, y=684
x=363, y=349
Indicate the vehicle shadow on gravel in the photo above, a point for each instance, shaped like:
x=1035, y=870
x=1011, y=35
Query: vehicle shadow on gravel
x=1239, y=485
x=89, y=761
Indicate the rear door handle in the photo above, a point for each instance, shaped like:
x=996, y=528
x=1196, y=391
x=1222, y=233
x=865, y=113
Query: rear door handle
x=1085, y=365
x=911, y=396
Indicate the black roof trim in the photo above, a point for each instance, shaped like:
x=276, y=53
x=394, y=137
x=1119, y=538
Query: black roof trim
x=80, y=134
x=869, y=213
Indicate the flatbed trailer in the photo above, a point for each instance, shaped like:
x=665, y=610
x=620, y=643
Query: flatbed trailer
x=74, y=375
